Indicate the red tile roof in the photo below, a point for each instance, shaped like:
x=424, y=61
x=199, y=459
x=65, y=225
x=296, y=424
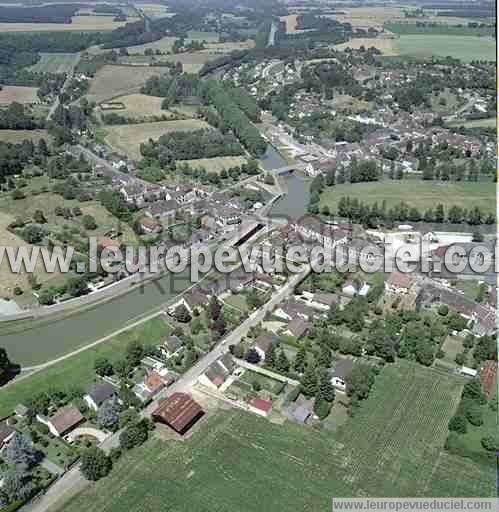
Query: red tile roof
x=262, y=405
x=154, y=381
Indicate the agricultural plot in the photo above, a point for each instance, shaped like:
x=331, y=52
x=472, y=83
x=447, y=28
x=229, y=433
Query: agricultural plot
x=440, y=29
x=55, y=63
x=240, y=462
x=155, y=10
x=290, y=22
x=192, y=62
x=79, y=24
x=15, y=136
x=465, y=48
x=217, y=164
x=112, y=81
x=366, y=17
x=385, y=45
x=128, y=138
x=418, y=193
x=19, y=94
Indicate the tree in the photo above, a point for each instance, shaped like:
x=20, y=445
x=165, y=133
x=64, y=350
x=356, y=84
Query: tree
x=300, y=360
x=325, y=357
x=103, y=367
x=17, y=485
x=39, y=217
x=108, y=414
x=282, y=363
x=326, y=389
x=252, y=356
x=135, y=434
x=134, y=352
x=77, y=286
x=489, y=443
x=474, y=414
x=89, y=222
x=321, y=407
x=309, y=382
x=33, y=234
x=270, y=356
x=458, y=424
x=443, y=310
x=215, y=308
x=46, y=297
x=20, y=452
x=473, y=391
x=182, y=314
x=360, y=381
x=95, y=464
x=5, y=365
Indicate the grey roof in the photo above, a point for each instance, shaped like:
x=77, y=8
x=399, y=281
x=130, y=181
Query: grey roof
x=172, y=343
x=21, y=410
x=265, y=340
x=5, y=431
x=101, y=392
x=300, y=413
x=297, y=327
x=163, y=207
x=228, y=362
x=342, y=368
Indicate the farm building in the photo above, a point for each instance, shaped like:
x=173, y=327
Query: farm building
x=179, y=411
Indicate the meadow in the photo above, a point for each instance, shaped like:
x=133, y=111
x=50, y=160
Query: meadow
x=15, y=136
x=239, y=462
x=415, y=192
x=128, y=138
x=441, y=29
x=217, y=164
x=385, y=45
x=465, y=48
x=55, y=62
x=79, y=24
x=19, y=94
x=490, y=122
x=78, y=370
x=112, y=81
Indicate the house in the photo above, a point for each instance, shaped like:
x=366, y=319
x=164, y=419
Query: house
x=150, y=225
x=297, y=328
x=6, y=434
x=179, y=411
x=63, y=421
x=468, y=372
x=354, y=287
x=218, y=372
x=21, y=411
x=152, y=384
x=227, y=216
x=397, y=283
x=342, y=369
x=107, y=243
x=293, y=309
x=133, y=192
x=263, y=343
x=161, y=209
x=260, y=406
x=311, y=227
x=183, y=194
x=358, y=250
x=99, y=394
x=193, y=299
x=171, y=346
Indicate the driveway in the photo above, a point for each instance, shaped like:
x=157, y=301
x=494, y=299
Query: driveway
x=88, y=431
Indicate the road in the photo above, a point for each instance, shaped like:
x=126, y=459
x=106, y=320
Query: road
x=73, y=481
x=69, y=77
x=272, y=33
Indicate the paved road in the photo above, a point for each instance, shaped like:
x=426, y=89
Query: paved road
x=72, y=482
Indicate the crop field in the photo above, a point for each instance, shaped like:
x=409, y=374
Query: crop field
x=490, y=122
x=290, y=21
x=15, y=136
x=209, y=37
x=216, y=164
x=112, y=81
x=440, y=29
x=155, y=10
x=128, y=138
x=192, y=62
x=240, y=462
x=365, y=17
x=418, y=193
x=140, y=105
x=466, y=48
x=78, y=370
x=55, y=63
x=79, y=24
x=19, y=94
x=385, y=45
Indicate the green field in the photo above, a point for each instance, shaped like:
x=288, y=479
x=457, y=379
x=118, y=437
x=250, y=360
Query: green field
x=241, y=463
x=441, y=29
x=217, y=164
x=490, y=122
x=466, y=48
x=418, y=193
x=79, y=369
x=55, y=62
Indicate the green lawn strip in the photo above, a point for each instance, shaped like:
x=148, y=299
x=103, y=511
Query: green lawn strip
x=79, y=369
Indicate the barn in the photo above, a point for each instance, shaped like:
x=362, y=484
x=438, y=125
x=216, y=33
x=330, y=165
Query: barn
x=179, y=411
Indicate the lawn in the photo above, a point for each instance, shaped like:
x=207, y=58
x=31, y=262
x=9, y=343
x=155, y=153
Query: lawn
x=452, y=346
x=16, y=136
x=439, y=29
x=466, y=48
x=55, y=63
x=272, y=385
x=79, y=369
x=17, y=93
x=418, y=193
x=128, y=138
x=112, y=81
x=217, y=164
x=240, y=462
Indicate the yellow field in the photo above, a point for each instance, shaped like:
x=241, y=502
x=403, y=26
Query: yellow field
x=290, y=21
x=365, y=17
x=79, y=24
x=112, y=81
x=385, y=45
x=128, y=138
x=216, y=164
x=14, y=136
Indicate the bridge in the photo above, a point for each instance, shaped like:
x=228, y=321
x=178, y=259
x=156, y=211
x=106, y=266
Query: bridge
x=287, y=169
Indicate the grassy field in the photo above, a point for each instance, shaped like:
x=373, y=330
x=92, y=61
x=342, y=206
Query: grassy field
x=79, y=369
x=490, y=122
x=216, y=164
x=113, y=81
x=466, y=48
x=240, y=462
x=15, y=136
x=19, y=94
x=79, y=24
x=440, y=29
x=128, y=138
x=385, y=45
x=55, y=62
x=418, y=193
x=365, y=17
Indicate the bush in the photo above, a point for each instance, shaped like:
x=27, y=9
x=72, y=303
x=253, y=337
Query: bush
x=458, y=424
x=443, y=310
x=489, y=443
